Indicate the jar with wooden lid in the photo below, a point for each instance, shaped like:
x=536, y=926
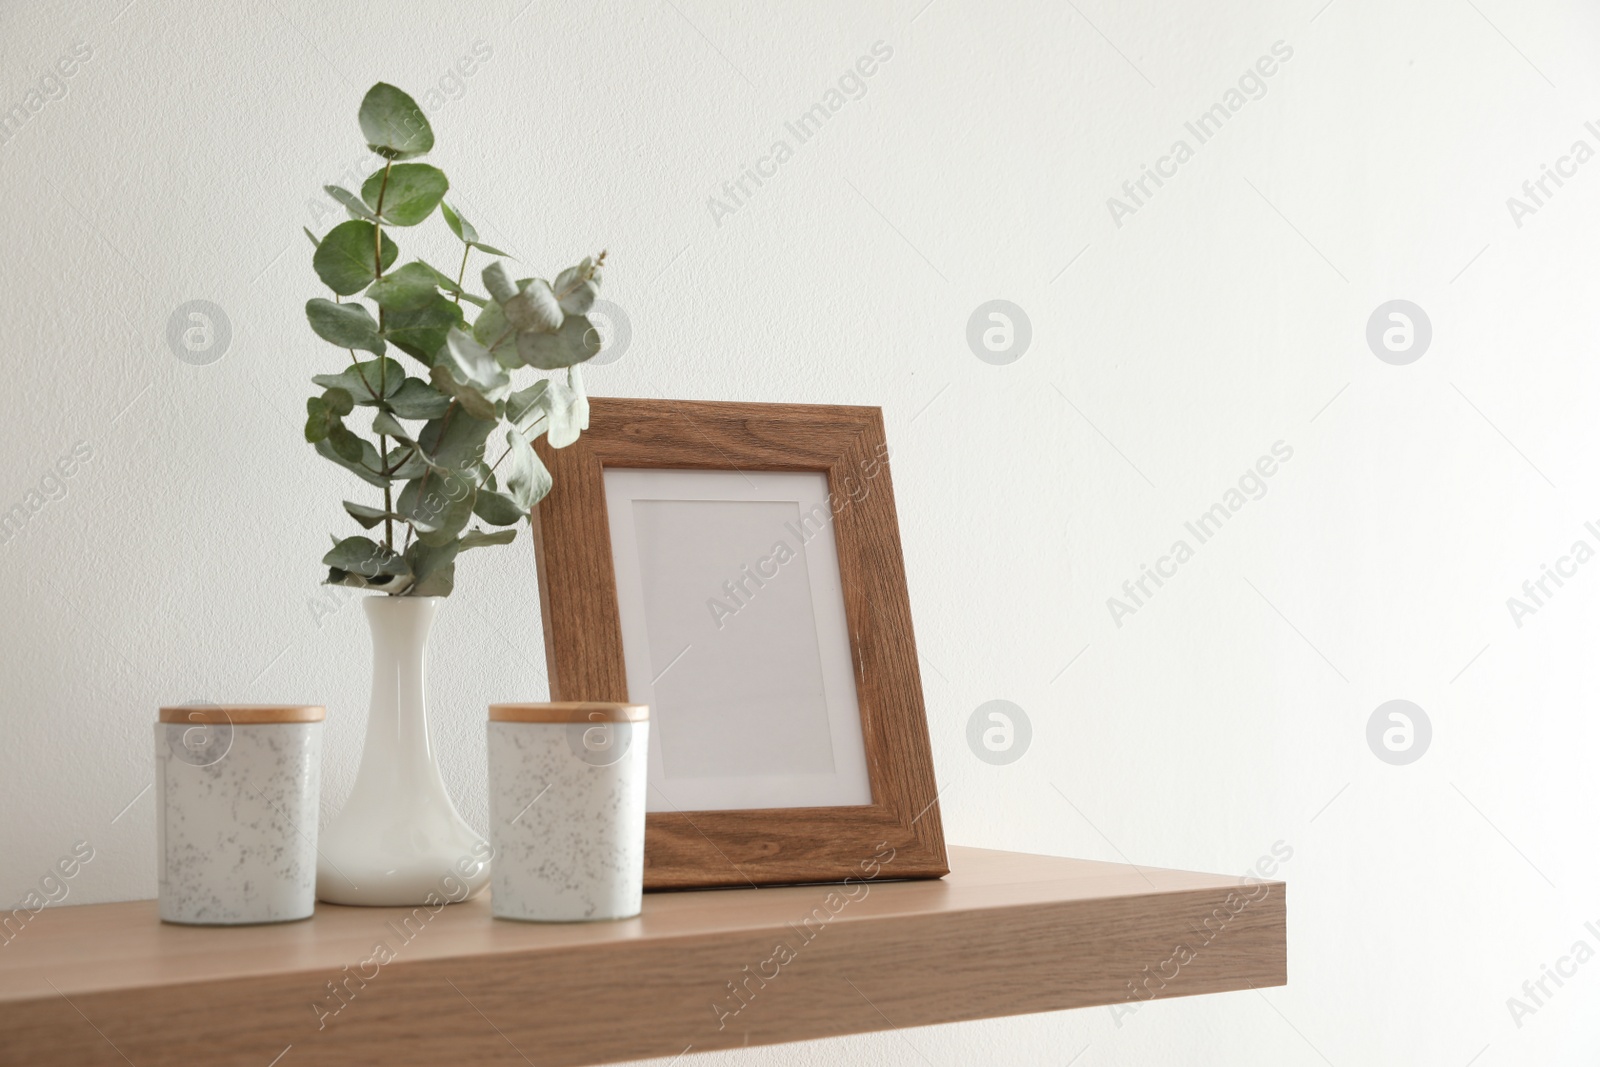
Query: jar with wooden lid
x=237, y=790
x=566, y=810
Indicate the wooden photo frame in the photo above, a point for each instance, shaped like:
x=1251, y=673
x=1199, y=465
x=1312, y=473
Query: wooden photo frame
x=884, y=825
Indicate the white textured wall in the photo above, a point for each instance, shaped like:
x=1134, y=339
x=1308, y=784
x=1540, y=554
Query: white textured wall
x=179, y=561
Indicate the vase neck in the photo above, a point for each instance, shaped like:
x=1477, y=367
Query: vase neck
x=397, y=722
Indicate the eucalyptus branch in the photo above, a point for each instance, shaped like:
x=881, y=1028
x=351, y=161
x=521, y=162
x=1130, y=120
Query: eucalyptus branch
x=461, y=276
x=463, y=393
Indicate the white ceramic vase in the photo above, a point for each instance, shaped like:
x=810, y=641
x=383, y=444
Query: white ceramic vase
x=398, y=840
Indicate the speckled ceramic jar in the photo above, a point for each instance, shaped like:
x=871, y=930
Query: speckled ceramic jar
x=566, y=810
x=236, y=812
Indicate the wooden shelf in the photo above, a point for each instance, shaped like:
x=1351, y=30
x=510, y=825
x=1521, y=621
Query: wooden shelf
x=1003, y=934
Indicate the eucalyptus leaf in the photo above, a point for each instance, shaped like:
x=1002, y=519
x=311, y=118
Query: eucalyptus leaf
x=366, y=467
x=416, y=399
x=310, y=237
x=490, y=249
x=421, y=331
x=574, y=289
x=493, y=332
x=567, y=410
x=393, y=124
x=410, y=192
x=344, y=258
x=386, y=424
x=348, y=446
x=366, y=381
x=364, y=556
x=576, y=341
x=480, y=538
x=405, y=462
x=339, y=577
x=339, y=401
x=405, y=288
x=438, y=506
x=369, y=517
x=320, y=419
x=458, y=225
x=393, y=584
x=527, y=481
x=351, y=202
x=448, y=284
x=345, y=325
x=498, y=281
x=580, y=406
x=455, y=442
x=526, y=406
x=529, y=305
x=467, y=371
x=433, y=568
x=498, y=509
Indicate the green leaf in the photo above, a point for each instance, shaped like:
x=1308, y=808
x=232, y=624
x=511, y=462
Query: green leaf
x=568, y=412
x=344, y=258
x=351, y=202
x=364, y=381
x=339, y=401
x=421, y=331
x=480, y=538
x=311, y=237
x=348, y=446
x=320, y=419
x=339, y=577
x=345, y=325
x=580, y=404
x=527, y=481
x=366, y=467
x=438, y=506
x=448, y=284
x=386, y=424
x=405, y=288
x=466, y=370
x=497, y=509
x=364, y=556
x=434, y=568
x=493, y=332
x=416, y=399
x=527, y=305
x=368, y=517
x=577, y=287
x=525, y=407
x=455, y=442
x=412, y=192
x=458, y=225
x=464, y=230
x=384, y=583
x=405, y=462
x=393, y=124
x=498, y=281
x=576, y=341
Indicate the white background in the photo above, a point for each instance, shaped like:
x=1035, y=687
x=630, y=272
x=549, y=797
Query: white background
x=1229, y=313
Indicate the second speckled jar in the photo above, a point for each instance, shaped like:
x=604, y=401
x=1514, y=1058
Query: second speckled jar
x=566, y=810
x=236, y=812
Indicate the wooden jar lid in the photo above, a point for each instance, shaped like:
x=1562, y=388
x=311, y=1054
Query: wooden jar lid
x=570, y=711
x=243, y=714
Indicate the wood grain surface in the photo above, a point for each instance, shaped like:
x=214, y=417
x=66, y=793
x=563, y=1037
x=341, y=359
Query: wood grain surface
x=583, y=636
x=1004, y=934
